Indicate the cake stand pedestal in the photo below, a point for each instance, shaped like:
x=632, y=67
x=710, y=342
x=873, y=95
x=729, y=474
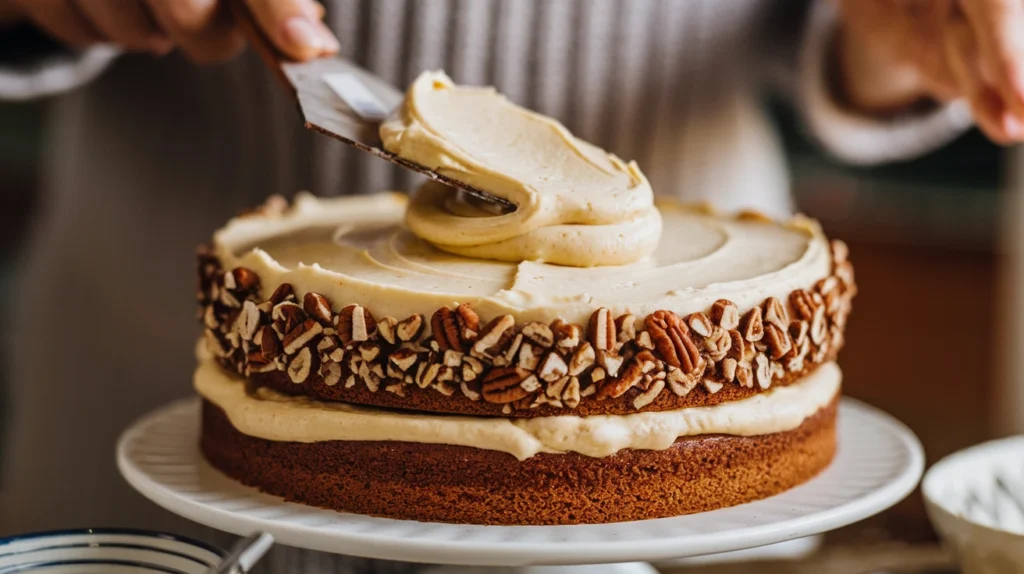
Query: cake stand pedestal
x=879, y=461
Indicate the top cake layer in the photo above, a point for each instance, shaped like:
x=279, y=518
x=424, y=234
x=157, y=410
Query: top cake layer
x=336, y=300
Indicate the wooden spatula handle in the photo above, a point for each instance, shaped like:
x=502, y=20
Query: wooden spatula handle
x=259, y=41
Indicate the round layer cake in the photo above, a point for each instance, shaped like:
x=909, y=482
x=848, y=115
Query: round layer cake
x=339, y=346
x=591, y=356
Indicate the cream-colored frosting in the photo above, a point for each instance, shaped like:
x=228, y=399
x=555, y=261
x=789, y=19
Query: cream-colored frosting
x=576, y=204
x=355, y=250
x=273, y=416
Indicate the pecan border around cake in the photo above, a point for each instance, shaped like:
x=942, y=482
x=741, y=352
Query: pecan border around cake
x=454, y=362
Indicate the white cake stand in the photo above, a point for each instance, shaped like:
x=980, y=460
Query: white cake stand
x=878, y=463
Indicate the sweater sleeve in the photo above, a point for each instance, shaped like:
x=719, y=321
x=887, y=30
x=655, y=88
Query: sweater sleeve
x=32, y=67
x=853, y=137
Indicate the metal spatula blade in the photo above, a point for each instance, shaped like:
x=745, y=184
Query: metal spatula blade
x=354, y=119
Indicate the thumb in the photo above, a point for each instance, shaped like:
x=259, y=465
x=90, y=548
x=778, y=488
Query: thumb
x=295, y=26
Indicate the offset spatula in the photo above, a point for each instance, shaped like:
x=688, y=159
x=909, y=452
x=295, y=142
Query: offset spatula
x=346, y=102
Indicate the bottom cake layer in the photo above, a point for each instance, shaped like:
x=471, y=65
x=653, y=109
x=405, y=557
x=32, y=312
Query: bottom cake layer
x=443, y=483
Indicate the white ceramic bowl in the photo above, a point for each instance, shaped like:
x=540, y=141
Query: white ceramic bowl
x=975, y=499
x=105, y=551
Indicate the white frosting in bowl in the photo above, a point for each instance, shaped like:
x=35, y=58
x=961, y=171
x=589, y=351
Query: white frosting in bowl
x=975, y=500
x=272, y=416
x=356, y=250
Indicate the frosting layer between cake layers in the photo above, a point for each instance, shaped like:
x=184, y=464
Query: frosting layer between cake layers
x=272, y=416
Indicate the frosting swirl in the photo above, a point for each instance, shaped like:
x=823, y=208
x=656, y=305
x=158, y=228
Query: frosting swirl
x=576, y=204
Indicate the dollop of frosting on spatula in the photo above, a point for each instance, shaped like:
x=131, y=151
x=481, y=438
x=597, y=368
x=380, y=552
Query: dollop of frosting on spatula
x=576, y=204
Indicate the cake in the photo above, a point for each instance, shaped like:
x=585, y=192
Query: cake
x=594, y=356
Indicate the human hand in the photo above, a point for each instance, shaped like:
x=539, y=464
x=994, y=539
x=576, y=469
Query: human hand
x=897, y=51
x=203, y=30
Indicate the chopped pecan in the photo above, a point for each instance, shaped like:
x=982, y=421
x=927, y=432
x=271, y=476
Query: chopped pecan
x=672, y=341
x=471, y=368
x=554, y=389
x=762, y=372
x=844, y=272
x=567, y=336
x=410, y=328
x=803, y=304
x=452, y=358
x=729, y=369
x=243, y=280
x=300, y=366
x=840, y=252
x=386, y=328
x=601, y=330
x=819, y=326
x=510, y=353
x=248, y=321
x=505, y=385
x=775, y=313
x=426, y=374
x=228, y=299
x=681, y=383
x=778, y=340
x=700, y=323
x=355, y=324
x=317, y=307
x=798, y=331
x=257, y=363
x=836, y=337
x=286, y=316
x=455, y=329
x=369, y=351
x=642, y=364
x=529, y=357
x=331, y=373
x=284, y=292
x=552, y=368
x=751, y=326
x=539, y=333
x=610, y=362
x=571, y=393
x=582, y=359
x=270, y=346
x=718, y=344
x=745, y=377
x=827, y=285
x=648, y=396
x=301, y=335
x=726, y=314
x=712, y=385
x=626, y=327
x=644, y=341
x=494, y=337
x=468, y=391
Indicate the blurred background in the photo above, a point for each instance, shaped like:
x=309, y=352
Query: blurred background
x=926, y=237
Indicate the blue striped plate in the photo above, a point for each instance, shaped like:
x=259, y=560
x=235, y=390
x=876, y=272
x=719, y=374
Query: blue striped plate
x=113, y=551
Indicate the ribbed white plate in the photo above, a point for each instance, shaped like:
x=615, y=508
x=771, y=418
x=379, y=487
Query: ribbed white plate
x=879, y=462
